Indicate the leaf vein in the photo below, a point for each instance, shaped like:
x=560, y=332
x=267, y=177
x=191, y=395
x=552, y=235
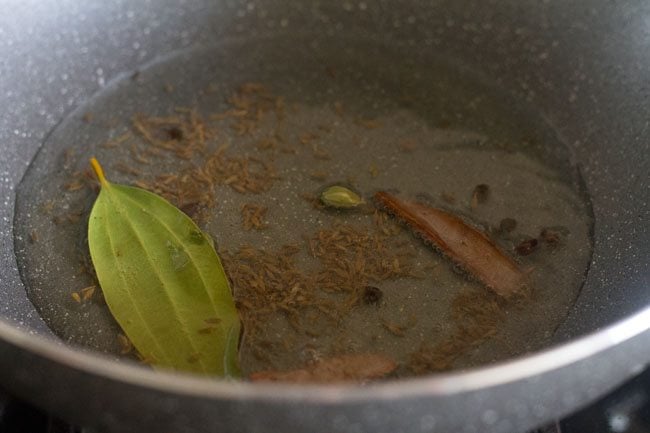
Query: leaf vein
x=188, y=252
x=135, y=305
x=177, y=315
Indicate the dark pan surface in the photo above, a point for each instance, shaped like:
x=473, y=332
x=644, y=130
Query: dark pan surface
x=576, y=88
x=463, y=132
x=583, y=67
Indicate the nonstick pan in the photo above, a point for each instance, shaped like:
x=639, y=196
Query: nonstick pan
x=579, y=70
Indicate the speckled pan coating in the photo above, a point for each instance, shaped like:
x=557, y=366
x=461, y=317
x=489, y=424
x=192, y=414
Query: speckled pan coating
x=584, y=66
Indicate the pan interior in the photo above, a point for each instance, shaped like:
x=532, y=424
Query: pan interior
x=350, y=113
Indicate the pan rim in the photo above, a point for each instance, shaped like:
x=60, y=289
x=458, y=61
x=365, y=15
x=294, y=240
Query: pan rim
x=455, y=382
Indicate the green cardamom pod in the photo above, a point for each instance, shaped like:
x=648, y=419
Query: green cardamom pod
x=340, y=197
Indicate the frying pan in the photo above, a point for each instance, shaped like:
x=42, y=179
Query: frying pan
x=582, y=66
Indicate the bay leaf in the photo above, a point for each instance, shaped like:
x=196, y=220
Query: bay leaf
x=163, y=281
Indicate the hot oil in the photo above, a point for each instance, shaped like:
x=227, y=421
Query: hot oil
x=313, y=282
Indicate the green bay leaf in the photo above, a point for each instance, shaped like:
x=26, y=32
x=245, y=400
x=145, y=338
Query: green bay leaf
x=163, y=281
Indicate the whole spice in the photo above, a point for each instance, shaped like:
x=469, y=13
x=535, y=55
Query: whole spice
x=479, y=195
x=398, y=330
x=551, y=237
x=340, y=197
x=464, y=245
x=507, y=225
x=161, y=279
x=357, y=368
x=252, y=216
x=124, y=343
x=526, y=247
x=448, y=198
x=372, y=295
x=87, y=293
x=175, y=133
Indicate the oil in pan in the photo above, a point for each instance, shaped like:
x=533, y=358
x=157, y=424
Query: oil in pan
x=244, y=141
